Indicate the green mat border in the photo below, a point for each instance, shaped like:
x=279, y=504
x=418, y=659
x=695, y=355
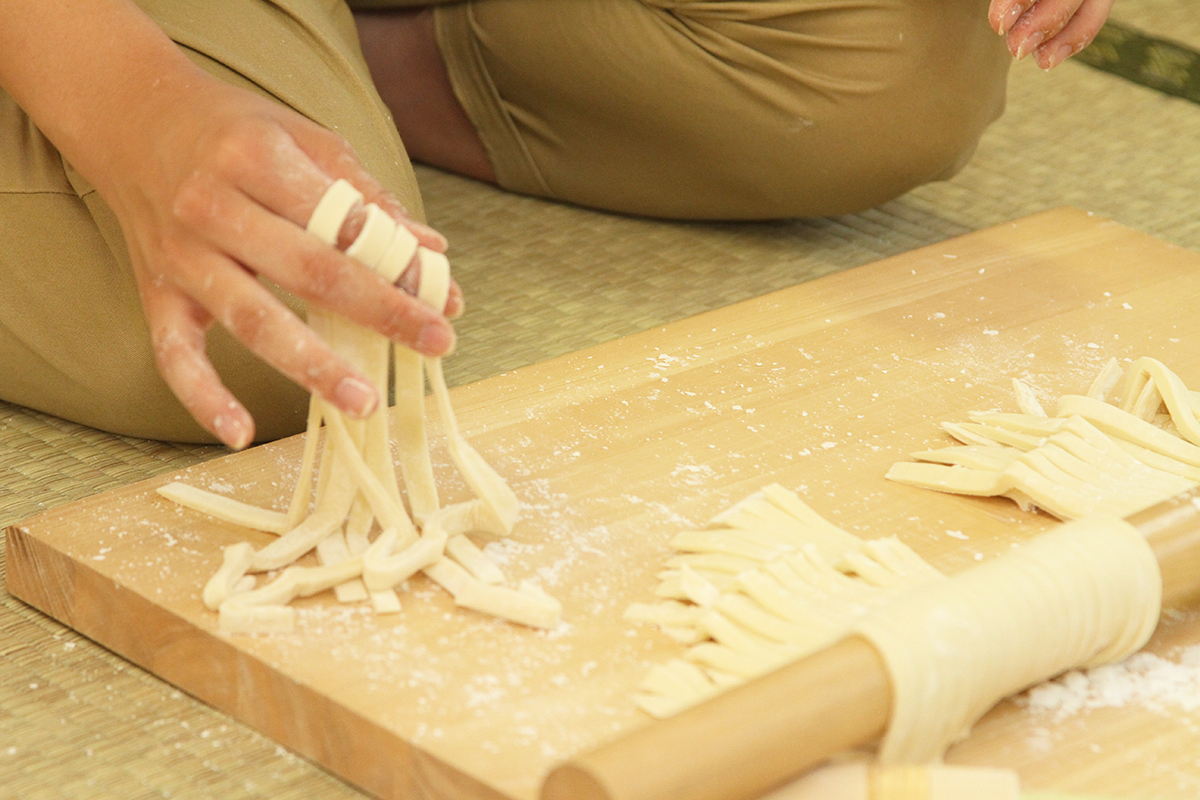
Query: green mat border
x=1156, y=63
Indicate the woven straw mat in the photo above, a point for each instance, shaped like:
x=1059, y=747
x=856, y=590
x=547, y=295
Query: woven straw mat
x=543, y=279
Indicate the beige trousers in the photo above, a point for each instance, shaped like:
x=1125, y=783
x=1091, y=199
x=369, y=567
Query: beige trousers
x=729, y=109
x=725, y=109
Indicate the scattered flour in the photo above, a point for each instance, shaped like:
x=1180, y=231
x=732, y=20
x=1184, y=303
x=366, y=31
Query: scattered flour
x=694, y=474
x=1143, y=680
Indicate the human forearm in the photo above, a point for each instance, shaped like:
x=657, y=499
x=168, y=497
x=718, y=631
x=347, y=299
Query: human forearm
x=212, y=185
x=89, y=73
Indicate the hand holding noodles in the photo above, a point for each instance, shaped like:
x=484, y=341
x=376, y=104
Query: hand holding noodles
x=354, y=516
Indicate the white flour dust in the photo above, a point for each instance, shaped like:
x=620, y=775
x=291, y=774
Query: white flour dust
x=1143, y=680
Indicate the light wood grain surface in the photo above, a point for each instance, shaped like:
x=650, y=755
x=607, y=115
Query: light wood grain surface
x=612, y=450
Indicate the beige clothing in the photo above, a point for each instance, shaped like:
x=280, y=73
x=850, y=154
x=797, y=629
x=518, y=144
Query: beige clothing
x=690, y=109
x=729, y=109
x=73, y=341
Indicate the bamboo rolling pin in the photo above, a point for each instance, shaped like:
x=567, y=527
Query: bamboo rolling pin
x=752, y=738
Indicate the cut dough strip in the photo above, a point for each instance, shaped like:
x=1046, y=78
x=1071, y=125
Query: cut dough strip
x=409, y=387
x=768, y=581
x=332, y=209
x=334, y=550
x=1092, y=457
x=225, y=508
x=230, y=578
x=354, y=516
x=1087, y=593
x=1169, y=389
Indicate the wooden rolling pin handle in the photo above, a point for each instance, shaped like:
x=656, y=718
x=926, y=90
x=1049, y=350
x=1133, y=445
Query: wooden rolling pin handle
x=1173, y=530
x=744, y=742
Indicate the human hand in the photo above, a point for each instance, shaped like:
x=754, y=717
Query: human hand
x=1053, y=30
x=213, y=186
x=222, y=202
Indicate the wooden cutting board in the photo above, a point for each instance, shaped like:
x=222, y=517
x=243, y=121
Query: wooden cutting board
x=612, y=450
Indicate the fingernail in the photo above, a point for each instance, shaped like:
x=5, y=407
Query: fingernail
x=435, y=339
x=1030, y=44
x=455, y=306
x=355, y=397
x=232, y=432
x=1049, y=61
x=433, y=234
x=1010, y=18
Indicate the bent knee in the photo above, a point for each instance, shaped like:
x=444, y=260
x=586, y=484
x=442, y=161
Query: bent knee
x=860, y=161
x=899, y=95
x=775, y=109
x=821, y=168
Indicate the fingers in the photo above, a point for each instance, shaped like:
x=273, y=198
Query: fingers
x=1040, y=22
x=455, y=305
x=289, y=171
x=1003, y=14
x=243, y=218
x=242, y=232
x=280, y=251
x=1051, y=30
x=230, y=296
x=177, y=332
x=289, y=163
x=1075, y=35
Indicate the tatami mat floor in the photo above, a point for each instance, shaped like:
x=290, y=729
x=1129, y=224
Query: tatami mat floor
x=75, y=721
